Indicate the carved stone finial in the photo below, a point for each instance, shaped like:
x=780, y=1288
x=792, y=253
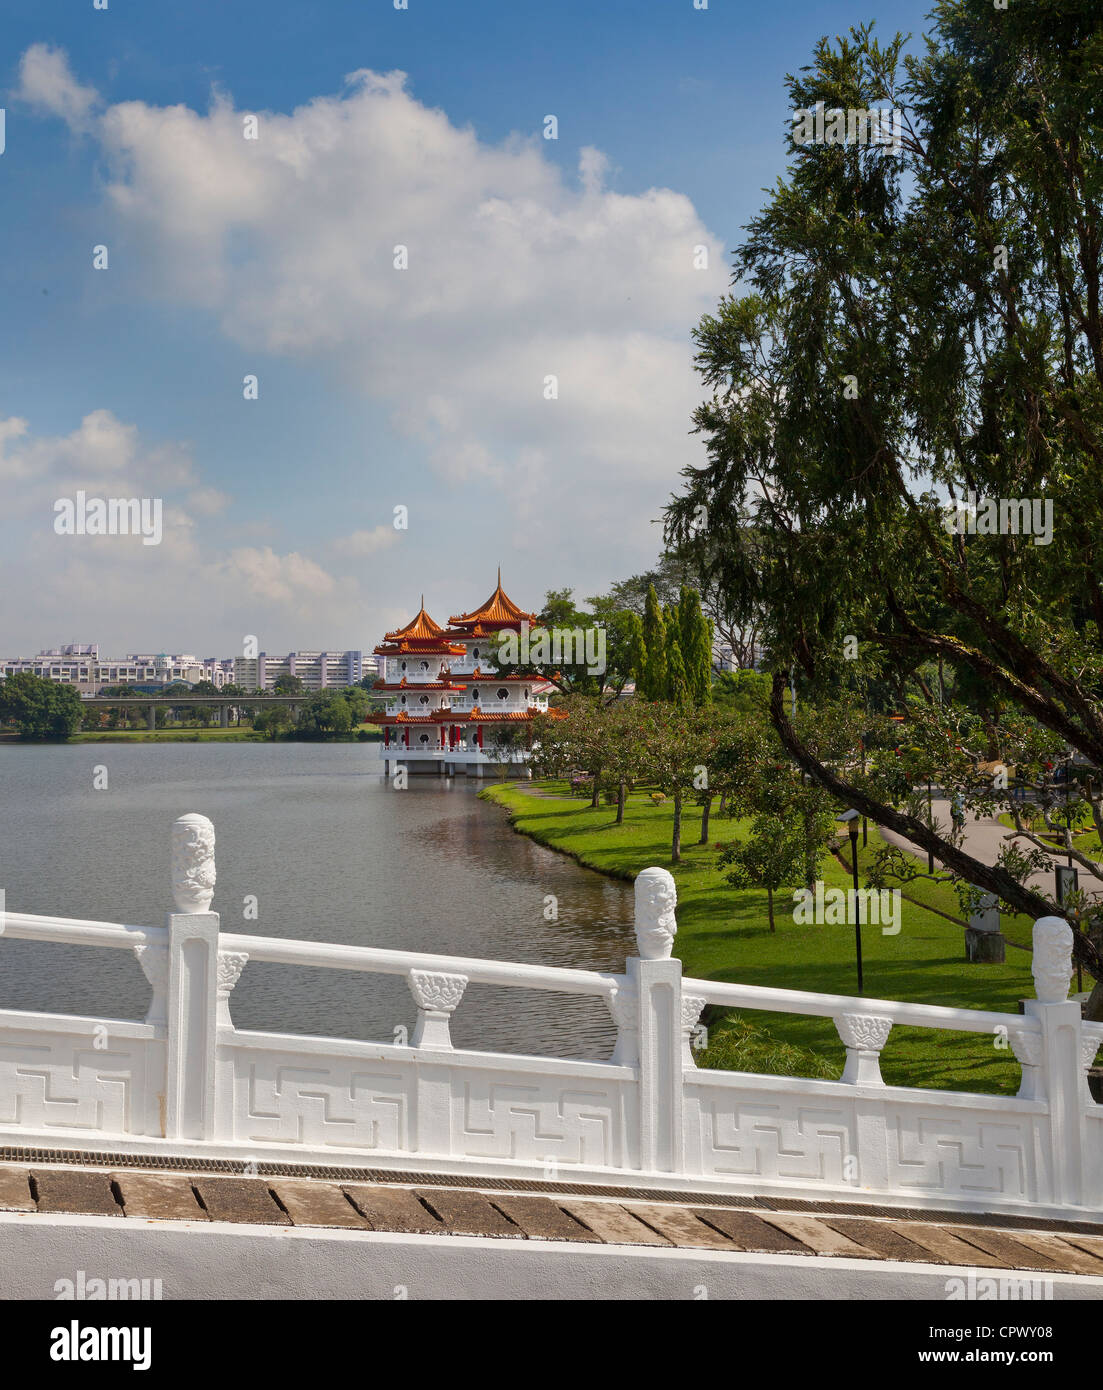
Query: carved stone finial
x=656, y=898
x=1052, y=963
x=193, y=872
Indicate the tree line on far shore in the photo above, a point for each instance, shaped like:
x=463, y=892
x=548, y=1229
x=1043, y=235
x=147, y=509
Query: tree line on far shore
x=37, y=708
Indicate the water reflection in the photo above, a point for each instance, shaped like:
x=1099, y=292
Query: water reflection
x=331, y=853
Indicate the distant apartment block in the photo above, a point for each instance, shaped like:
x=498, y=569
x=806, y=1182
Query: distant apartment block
x=80, y=665
x=316, y=670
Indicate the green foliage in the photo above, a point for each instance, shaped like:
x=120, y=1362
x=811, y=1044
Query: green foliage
x=677, y=686
x=739, y=1044
x=654, y=683
x=272, y=720
x=695, y=640
x=910, y=329
x=40, y=708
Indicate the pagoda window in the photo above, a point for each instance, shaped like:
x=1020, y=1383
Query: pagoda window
x=404, y=666
x=424, y=738
x=425, y=666
x=503, y=694
x=475, y=653
x=474, y=694
x=404, y=699
x=425, y=699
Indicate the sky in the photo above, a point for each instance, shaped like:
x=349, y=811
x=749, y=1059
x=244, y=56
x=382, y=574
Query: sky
x=516, y=385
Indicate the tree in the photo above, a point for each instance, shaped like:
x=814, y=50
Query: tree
x=287, y=684
x=695, y=639
x=563, y=747
x=931, y=321
x=40, y=708
x=677, y=686
x=677, y=746
x=653, y=683
x=273, y=720
x=772, y=857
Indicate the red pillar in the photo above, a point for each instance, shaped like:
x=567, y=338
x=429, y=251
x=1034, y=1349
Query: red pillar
x=479, y=736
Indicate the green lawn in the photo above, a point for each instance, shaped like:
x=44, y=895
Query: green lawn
x=723, y=935
x=1086, y=840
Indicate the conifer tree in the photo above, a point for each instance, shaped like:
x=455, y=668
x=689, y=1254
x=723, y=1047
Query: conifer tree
x=695, y=639
x=677, y=686
x=653, y=686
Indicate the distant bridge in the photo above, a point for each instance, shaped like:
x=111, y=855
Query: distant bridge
x=224, y=703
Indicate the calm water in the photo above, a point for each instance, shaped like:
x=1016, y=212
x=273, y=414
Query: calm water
x=332, y=853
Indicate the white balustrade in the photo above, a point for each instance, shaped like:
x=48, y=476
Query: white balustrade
x=186, y=1081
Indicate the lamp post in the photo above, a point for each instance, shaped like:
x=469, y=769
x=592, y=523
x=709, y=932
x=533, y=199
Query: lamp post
x=930, y=826
x=850, y=820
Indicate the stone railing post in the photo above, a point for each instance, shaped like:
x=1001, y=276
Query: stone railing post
x=1056, y=1076
x=864, y=1036
x=656, y=982
x=436, y=996
x=193, y=983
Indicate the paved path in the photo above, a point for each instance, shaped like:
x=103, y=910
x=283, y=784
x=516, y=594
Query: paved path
x=984, y=839
x=545, y=1211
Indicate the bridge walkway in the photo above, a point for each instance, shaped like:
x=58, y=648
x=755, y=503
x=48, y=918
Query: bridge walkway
x=430, y=1204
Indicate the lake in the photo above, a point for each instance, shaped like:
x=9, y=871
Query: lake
x=331, y=853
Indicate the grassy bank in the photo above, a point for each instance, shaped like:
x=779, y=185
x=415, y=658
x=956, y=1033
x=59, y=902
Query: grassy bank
x=723, y=935
x=243, y=735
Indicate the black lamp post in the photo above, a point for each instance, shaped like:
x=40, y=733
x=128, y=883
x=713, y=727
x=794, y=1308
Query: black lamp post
x=850, y=820
x=930, y=825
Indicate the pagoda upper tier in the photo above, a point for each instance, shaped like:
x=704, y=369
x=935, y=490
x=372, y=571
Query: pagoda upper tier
x=498, y=613
x=421, y=636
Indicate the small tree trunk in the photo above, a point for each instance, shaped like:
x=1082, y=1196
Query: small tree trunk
x=594, y=798
x=723, y=802
x=705, y=819
x=676, y=843
x=770, y=907
x=620, y=803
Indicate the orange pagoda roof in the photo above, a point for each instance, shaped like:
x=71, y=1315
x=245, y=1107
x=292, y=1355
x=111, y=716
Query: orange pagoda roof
x=499, y=611
x=473, y=716
x=420, y=635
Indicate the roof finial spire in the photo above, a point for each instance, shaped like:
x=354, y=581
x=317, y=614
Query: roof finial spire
x=423, y=603
x=499, y=576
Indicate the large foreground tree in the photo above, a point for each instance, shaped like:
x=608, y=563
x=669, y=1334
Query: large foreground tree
x=922, y=330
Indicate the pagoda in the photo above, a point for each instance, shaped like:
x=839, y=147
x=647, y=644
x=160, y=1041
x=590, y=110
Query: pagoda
x=448, y=703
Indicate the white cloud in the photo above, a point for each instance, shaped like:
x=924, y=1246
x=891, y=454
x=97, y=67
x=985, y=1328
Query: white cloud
x=283, y=578
x=190, y=592
x=515, y=273
x=367, y=542
x=208, y=501
x=47, y=85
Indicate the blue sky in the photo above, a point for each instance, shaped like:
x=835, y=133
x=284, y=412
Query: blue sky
x=378, y=387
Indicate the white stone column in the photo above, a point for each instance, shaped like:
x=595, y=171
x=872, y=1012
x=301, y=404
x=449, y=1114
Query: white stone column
x=1027, y=1048
x=864, y=1036
x=436, y=996
x=692, y=1007
x=192, y=983
x=154, y=961
x=230, y=966
x=657, y=983
x=1061, y=1080
x=625, y=1008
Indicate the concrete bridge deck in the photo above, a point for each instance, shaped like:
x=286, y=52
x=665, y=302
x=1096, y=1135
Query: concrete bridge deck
x=417, y=1208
